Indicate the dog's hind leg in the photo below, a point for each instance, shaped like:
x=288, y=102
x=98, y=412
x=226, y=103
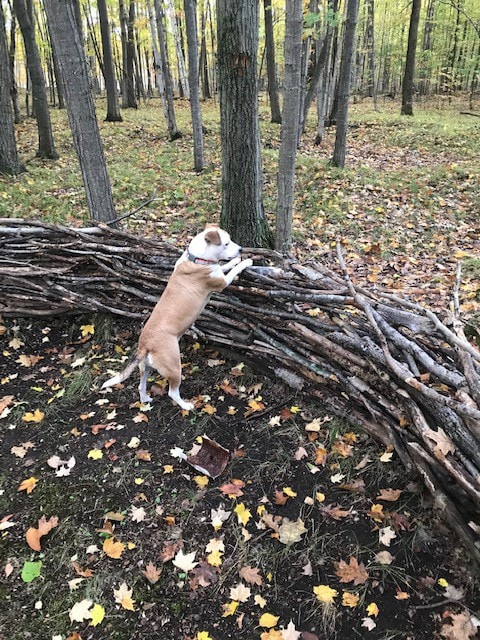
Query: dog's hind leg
x=144, y=369
x=169, y=366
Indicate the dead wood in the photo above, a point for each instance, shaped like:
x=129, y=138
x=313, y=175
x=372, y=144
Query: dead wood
x=395, y=369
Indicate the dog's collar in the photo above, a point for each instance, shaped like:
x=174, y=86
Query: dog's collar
x=196, y=260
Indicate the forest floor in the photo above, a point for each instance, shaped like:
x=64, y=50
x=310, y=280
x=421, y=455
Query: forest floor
x=313, y=530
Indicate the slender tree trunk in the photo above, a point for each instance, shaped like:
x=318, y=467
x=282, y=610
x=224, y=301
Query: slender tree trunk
x=190, y=7
x=290, y=124
x=11, y=55
x=9, y=161
x=409, y=74
x=242, y=208
x=81, y=109
x=113, y=107
x=339, y=151
x=173, y=130
x=46, y=146
x=203, y=63
x=178, y=49
x=327, y=75
x=276, y=114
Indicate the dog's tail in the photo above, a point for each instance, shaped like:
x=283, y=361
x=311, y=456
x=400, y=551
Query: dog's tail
x=123, y=375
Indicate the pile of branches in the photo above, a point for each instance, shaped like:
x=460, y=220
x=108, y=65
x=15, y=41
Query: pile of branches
x=390, y=366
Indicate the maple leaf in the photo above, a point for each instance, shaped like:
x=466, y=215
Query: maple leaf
x=372, y=609
x=334, y=511
x=251, y=575
x=201, y=481
x=168, y=552
x=80, y=611
x=138, y=514
x=289, y=632
x=123, y=597
x=215, y=558
x=389, y=495
x=325, y=593
x=462, y=626
x=203, y=575
x=28, y=485
x=33, y=534
x=97, y=614
x=384, y=557
x=185, y=562
x=218, y=517
x=351, y=572
x=87, y=330
x=233, y=488
x=240, y=592
x=151, y=573
x=290, y=532
x=85, y=573
x=444, y=445
x=203, y=635
x=350, y=599
x=95, y=454
x=386, y=535
x=113, y=549
x=243, y=514
x=368, y=623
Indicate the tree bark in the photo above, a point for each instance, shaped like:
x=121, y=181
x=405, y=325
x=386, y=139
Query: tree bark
x=339, y=152
x=190, y=7
x=113, y=107
x=242, y=207
x=290, y=124
x=178, y=50
x=46, y=145
x=276, y=114
x=81, y=109
x=10, y=163
x=409, y=74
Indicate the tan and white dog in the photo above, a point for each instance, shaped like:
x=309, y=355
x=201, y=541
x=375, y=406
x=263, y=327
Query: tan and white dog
x=197, y=274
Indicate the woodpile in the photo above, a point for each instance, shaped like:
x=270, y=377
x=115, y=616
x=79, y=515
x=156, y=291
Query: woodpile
x=393, y=368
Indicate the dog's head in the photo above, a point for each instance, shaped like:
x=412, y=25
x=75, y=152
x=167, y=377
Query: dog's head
x=214, y=243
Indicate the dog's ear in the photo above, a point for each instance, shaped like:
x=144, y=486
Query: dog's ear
x=213, y=237
x=212, y=225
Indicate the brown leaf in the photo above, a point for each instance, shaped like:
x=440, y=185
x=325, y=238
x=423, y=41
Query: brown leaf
x=351, y=572
x=33, y=534
x=389, y=495
x=203, y=575
x=151, y=573
x=85, y=573
x=334, y=511
x=460, y=628
x=251, y=575
x=280, y=498
x=233, y=488
x=169, y=550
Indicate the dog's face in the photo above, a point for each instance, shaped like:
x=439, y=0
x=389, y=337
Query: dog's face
x=214, y=244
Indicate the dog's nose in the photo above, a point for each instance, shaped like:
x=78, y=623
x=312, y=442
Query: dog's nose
x=240, y=249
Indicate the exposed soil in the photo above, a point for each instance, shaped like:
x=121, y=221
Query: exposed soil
x=156, y=504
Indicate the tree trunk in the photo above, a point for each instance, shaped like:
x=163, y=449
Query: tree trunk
x=46, y=145
x=339, y=152
x=203, y=63
x=178, y=49
x=9, y=161
x=173, y=130
x=290, y=124
x=408, y=76
x=242, y=207
x=11, y=55
x=113, y=108
x=129, y=100
x=276, y=114
x=81, y=109
x=190, y=7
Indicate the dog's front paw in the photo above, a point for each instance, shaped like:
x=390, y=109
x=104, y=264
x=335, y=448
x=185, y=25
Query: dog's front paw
x=247, y=263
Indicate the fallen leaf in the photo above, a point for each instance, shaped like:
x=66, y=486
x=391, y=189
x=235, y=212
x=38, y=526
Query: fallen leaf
x=97, y=614
x=243, y=514
x=33, y=534
x=350, y=599
x=80, y=611
x=325, y=593
x=251, y=575
x=386, y=535
x=461, y=626
x=229, y=608
x=151, y=573
x=372, y=609
x=31, y=570
x=389, y=495
x=268, y=620
x=37, y=416
x=185, y=562
x=28, y=485
x=290, y=532
x=444, y=445
x=123, y=597
x=240, y=592
x=290, y=632
x=113, y=549
x=351, y=572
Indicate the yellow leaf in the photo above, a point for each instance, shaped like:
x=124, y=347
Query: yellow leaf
x=201, y=481
x=272, y=634
x=372, y=609
x=167, y=468
x=215, y=558
x=139, y=481
x=320, y=496
x=349, y=599
x=208, y=409
x=442, y=582
x=28, y=485
x=229, y=608
x=203, y=635
x=295, y=409
x=95, y=454
x=243, y=514
x=386, y=457
x=288, y=491
x=97, y=613
x=123, y=597
x=325, y=593
x=87, y=330
x=113, y=549
x=267, y=620
x=36, y=416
